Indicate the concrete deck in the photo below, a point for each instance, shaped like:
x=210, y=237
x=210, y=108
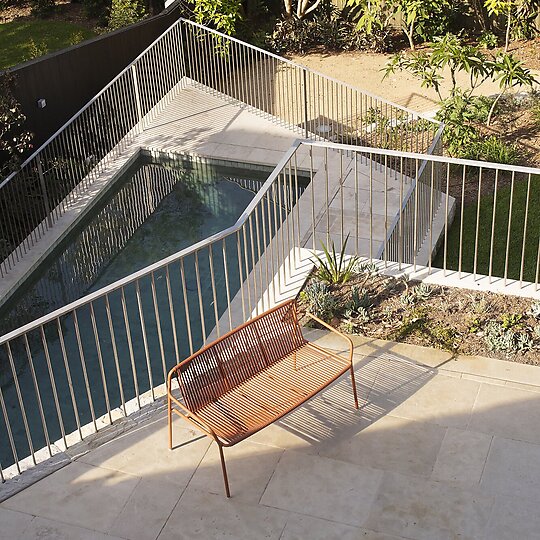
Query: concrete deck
x=441, y=448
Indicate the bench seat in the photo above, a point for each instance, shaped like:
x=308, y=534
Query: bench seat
x=272, y=393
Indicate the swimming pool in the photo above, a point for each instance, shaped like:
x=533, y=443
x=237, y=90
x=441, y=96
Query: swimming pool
x=158, y=207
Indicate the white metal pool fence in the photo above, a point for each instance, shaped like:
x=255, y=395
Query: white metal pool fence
x=73, y=371
x=54, y=177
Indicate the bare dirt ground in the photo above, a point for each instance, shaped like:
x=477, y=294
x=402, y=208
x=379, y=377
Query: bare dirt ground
x=452, y=319
x=365, y=70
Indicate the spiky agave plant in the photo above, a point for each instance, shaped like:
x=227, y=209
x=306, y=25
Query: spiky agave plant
x=332, y=268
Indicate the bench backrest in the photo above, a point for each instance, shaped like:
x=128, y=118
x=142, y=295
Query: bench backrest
x=239, y=355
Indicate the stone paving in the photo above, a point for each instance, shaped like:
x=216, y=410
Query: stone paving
x=441, y=448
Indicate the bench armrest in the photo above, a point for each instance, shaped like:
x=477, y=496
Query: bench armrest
x=187, y=414
x=332, y=329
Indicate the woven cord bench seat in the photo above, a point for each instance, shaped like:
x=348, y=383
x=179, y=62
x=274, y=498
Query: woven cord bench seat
x=252, y=376
x=272, y=393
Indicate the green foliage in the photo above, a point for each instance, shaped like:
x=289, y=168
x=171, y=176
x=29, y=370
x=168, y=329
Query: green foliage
x=375, y=18
x=502, y=224
x=125, y=12
x=359, y=298
x=14, y=140
x=494, y=150
x=327, y=29
x=414, y=12
x=443, y=336
x=488, y=40
x=35, y=50
x=498, y=338
x=332, y=267
x=420, y=293
x=367, y=268
x=423, y=291
x=509, y=320
x=319, y=300
x=423, y=18
x=534, y=311
x=43, y=8
x=445, y=52
x=459, y=135
x=412, y=322
x=223, y=15
x=474, y=325
x=520, y=17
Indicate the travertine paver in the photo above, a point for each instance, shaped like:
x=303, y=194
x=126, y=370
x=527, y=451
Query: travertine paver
x=410, y=447
x=79, y=494
x=323, y=487
x=426, y=510
x=507, y=412
x=305, y=527
x=430, y=455
x=512, y=468
x=514, y=518
x=203, y=515
x=462, y=456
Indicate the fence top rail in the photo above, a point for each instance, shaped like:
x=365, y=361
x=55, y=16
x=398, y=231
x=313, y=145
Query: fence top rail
x=309, y=70
x=158, y=265
x=421, y=157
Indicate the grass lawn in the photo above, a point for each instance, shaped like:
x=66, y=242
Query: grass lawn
x=500, y=237
x=48, y=35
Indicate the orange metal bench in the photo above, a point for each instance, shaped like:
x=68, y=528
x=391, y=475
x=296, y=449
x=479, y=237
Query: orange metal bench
x=252, y=376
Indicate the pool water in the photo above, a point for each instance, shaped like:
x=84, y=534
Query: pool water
x=154, y=210
x=158, y=207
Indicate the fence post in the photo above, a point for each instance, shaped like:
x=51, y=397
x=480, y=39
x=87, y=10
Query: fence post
x=44, y=191
x=305, y=103
x=137, y=93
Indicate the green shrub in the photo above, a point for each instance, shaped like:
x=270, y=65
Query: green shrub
x=495, y=150
x=36, y=49
x=459, y=135
x=125, y=12
x=319, y=300
x=488, y=40
x=327, y=29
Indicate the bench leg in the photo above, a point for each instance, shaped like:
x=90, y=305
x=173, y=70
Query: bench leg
x=169, y=418
x=224, y=469
x=354, y=387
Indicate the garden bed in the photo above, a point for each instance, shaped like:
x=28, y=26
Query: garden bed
x=457, y=320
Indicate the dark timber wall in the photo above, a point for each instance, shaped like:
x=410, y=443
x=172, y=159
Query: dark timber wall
x=68, y=79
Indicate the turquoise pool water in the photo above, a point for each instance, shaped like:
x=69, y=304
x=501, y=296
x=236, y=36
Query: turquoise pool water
x=155, y=209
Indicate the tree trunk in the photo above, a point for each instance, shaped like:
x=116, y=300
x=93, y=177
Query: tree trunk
x=492, y=110
x=481, y=15
x=288, y=8
x=508, y=25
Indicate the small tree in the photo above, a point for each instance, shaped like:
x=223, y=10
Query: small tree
x=223, y=15
x=510, y=72
x=518, y=13
x=303, y=7
x=457, y=109
x=125, y=12
x=378, y=13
